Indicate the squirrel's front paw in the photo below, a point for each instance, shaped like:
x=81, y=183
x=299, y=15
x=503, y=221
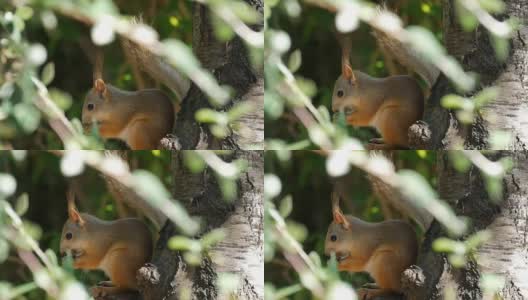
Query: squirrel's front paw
x=97, y=291
x=368, y=293
x=362, y=294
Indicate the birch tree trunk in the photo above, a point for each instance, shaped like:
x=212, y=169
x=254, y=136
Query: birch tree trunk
x=230, y=64
x=475, y=52
x=504, y=254
x=240, y=253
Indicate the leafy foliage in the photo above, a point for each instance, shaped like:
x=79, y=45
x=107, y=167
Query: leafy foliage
x=33, y=185
x=298, y=185
x=303, y=61
x=46, y=53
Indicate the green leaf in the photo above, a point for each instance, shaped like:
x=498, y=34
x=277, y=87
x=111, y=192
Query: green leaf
x=297, y=230
x=341, y=290
x=48, y=73
x=181, y=56
x=222, y=31
x=8, y=185
x=493, y=6
x=244, y=12
x=286, y=206
x=452, y=102
x=491, y=283
x=207, y=115
x=460, y=161
x=193, y=258
x=219, y=131
x=22, y=204
x=485, y=96
x=228, y=188
x=102, y=7
x=499, y=139
x=27, y=116
x=150, y=188
x=6, y=90
x=458, y=261
x=5, y=290
x=239, y=110
x=36, y=54
x=4, y=250
x=477, y=239
x=466, y=19
x=295, y=60
x=419, y=191
x=446, y=245
x=228, y=283
x=501, y=46
x=465, y=116
x=180, y=243
x=423, y=41
x=272, y=186
x=24, y=12
x=494, y=188
x=52, y=256
x=32, y=229
x=307, y=86
x=273, y=105
x=72, y=163
x=325, y=114
x=193, y=161
x=212, y=238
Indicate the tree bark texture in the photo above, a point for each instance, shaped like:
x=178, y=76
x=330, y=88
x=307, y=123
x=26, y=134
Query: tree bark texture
x=240, y=253
x=504, y=254
x=230, y=64
x=475, y=53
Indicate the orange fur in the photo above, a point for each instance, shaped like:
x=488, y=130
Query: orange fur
x=384, y=250
x=141, y=118
x=119, y=248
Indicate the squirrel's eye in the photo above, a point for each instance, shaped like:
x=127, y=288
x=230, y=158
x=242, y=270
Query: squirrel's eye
x=69, y=236
x=340, y=93
x=90, y=106
x=333, y=237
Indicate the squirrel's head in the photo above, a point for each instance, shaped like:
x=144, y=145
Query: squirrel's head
x=73, y=238
x=335, y=241
x=345, y=96
x=96, y=105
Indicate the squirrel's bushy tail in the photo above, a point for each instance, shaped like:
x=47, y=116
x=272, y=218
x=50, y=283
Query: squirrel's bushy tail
x=157, y=68
x=407, y=56
x=388, y=194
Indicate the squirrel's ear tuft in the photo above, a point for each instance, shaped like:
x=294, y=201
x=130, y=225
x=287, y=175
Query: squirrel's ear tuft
x=339, y=218
x=73, y=213
x=348, y=73
x=100, y=86
x=75, y=217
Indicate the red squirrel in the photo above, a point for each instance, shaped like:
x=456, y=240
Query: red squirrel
x=119, y=248
x=141, y=118
x=384, y=250
x=391, y=104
